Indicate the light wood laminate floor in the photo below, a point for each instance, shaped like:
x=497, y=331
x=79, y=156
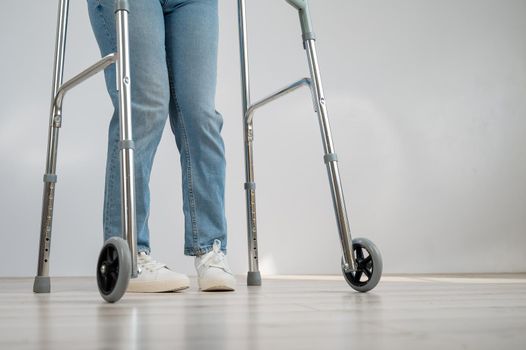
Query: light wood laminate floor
x=289, y=312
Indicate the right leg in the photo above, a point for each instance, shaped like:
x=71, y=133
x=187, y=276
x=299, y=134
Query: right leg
x=150, y=99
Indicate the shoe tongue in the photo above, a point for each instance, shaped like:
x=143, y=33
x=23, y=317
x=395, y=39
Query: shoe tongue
x=217, y=258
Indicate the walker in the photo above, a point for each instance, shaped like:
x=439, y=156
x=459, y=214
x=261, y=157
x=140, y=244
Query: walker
x=117, y=263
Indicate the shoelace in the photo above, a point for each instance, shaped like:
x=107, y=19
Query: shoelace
x=215, y=258
x=145, y=262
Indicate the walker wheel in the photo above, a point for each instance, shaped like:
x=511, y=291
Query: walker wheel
x=369, y=266
x=113, y=269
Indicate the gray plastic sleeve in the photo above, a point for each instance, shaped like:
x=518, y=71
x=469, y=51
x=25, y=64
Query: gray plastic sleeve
x=250, y=185
x=126, y=144
x=50, y=178
x=330, y=157
x=308, y=36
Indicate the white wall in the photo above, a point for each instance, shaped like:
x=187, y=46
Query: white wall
x=427, y=101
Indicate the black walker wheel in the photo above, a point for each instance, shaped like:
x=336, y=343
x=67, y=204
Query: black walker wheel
x=113, y=269
x=369, y=266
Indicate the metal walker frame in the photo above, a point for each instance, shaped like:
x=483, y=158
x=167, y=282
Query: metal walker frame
x=117, y=263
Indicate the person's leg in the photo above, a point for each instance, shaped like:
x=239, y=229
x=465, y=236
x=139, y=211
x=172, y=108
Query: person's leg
x=191, y=49
x=150, y=98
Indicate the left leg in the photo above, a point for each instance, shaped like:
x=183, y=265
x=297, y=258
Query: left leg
x=191, y=51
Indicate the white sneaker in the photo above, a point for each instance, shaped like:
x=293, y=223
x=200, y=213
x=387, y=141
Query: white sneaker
x=213, y=273
x=155, y=277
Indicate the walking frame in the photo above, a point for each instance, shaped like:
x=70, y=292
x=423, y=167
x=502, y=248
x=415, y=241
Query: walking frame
x=117, y=263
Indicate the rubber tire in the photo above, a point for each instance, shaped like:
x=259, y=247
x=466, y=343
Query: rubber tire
x=376, y=267
x=116, y=286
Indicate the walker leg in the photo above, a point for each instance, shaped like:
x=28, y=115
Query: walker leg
x=117, y=261
x=253, y=276
x=42, y=283
x=330, y=157
x=129, y=224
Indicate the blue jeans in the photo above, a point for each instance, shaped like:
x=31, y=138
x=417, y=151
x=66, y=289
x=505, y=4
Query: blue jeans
x=173, y=63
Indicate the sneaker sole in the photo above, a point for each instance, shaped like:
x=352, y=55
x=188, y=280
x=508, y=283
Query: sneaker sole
x=216, y=284
x=219, y=288
x=154, y=288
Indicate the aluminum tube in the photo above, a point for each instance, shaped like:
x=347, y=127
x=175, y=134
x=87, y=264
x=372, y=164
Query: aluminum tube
x=332, y=166
x=243, y=51
x=51, y=154
x=129, y=224
x=319, y=96
x=247, y=136
x=60, y=46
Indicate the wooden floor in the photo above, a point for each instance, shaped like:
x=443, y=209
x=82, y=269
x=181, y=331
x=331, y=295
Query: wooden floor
x=309, y=312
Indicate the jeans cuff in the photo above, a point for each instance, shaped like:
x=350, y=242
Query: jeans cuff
x=200, y=251
x=143, y=248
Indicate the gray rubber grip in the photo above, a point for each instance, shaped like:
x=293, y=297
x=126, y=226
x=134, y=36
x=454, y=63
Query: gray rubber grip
x=126, y=144
x=250, y=185
x=298, y=4
x=42, y=284
x=308, y=36
x=253, y=278
x=50, y=178
x=303, y=8
x=330, y=157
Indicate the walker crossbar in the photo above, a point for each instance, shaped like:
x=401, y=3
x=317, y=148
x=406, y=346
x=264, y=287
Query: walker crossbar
x=102, y=64
x=249, y=116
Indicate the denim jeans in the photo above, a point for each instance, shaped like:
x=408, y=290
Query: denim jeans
x=173, y=63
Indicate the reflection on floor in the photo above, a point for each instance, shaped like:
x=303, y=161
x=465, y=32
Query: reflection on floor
x=287, y=312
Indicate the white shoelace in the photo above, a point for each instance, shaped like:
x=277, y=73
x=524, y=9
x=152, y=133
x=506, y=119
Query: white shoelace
x=215, y=258
x=146, y=262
